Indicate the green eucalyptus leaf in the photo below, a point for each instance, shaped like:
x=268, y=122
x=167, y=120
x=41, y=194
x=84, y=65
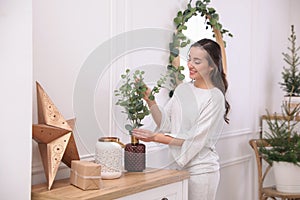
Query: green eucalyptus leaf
x=141, y=116
x=124, y=103
x=193, y=10
x=130, y=116
x=173, y=81
x=131, y=111
x=128, y=127
x=175, y=52
x=213, y=21
x=188, y=16
x=176, y=43
x=180, y=35
x=151, y=97
x=171, y=58
x=178, y=20
x=215, y=16
x=183, y=44
x=211, y=10
x=139, y=106
x=147, y=112
x=170, y=67
x=181, y=68
x=171, y=45
x=181, y=77
x=199, y=3
x=218, y=26
x=180, y=28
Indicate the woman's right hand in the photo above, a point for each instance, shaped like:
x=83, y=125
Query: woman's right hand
x=144, y=135
x=147, y=94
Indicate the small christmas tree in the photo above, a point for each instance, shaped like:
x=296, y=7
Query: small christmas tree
x=291, y=75
x=283, y=139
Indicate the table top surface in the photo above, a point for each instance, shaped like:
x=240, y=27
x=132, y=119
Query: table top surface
x=129, y=183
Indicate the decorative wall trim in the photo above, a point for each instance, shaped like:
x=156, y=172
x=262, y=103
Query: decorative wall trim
x=235, y=133
x=37, y=168
x=236, y=161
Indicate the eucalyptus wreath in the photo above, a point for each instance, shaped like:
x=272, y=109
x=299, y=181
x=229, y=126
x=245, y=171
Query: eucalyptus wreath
x=179, y=40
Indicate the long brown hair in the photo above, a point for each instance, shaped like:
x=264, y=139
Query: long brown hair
x=218, y=77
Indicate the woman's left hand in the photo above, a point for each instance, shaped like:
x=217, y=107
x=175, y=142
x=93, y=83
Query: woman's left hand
x=144, y=135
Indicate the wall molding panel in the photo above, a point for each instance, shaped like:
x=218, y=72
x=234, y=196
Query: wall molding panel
x=235, y=133
x=236, y=161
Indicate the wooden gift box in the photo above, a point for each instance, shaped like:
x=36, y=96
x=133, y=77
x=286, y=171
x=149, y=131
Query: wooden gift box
x=86, y=175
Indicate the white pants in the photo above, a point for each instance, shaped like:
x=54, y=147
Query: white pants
x=204, y=186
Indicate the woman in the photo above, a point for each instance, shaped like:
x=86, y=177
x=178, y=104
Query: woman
x=194, y=117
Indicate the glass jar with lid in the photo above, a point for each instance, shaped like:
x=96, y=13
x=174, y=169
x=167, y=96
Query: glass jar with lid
x=109, y=154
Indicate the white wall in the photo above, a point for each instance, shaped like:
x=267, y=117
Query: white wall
x=16, y=98
x=295, y=18
x=66, y=33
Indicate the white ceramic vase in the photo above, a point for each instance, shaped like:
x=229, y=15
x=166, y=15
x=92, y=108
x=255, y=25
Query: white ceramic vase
x=287, y=177
x=109, y=154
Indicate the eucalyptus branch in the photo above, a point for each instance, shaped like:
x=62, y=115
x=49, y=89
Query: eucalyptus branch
x=130, y=96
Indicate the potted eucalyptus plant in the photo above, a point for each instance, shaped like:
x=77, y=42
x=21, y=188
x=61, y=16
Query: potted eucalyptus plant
x=291, y=75
x=283, y=149
x=130, y=96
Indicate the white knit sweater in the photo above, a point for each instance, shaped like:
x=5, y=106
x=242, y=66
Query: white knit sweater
x=197, y=116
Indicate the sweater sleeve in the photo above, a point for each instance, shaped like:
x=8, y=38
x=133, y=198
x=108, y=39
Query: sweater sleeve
x=162, y=117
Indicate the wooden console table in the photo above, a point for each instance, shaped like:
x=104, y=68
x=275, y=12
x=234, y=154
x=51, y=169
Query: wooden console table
x=151, y=184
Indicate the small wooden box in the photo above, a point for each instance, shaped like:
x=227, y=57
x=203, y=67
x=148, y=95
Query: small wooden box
x=86, y=175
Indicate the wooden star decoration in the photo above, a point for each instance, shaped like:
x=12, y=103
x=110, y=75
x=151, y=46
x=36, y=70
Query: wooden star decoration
x=54, y=136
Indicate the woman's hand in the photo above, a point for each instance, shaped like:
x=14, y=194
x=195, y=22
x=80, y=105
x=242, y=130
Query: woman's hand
x=144, y=135
x=147, y=94
x=149, y=136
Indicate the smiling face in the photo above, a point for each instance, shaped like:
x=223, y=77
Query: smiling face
x=198, y=65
